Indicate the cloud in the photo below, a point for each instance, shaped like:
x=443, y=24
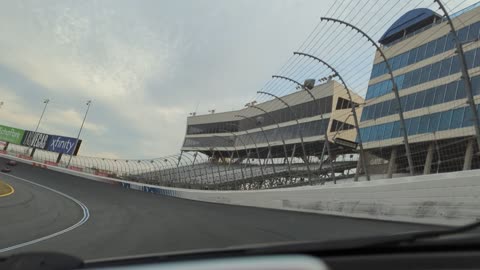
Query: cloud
x=145, y=64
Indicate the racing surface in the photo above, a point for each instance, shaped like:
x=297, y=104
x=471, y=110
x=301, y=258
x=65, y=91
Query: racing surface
x=122, y=222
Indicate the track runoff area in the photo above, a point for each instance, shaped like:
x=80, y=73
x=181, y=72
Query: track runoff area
x=51, y=211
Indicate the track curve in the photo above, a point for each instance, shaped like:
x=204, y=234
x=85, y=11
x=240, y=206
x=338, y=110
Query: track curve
x=128, y=222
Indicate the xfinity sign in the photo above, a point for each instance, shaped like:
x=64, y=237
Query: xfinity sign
x=64, y=145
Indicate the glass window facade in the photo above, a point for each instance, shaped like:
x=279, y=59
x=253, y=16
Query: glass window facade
x=432, y=48
x=308, y=129
x=421, y=75
x=446, y=120
x=304, y=110
x=437, y=95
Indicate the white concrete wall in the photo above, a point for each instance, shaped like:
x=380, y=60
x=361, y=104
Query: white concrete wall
x=448, y=199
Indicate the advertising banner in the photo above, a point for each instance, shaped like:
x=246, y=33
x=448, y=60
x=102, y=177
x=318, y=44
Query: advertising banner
x=35, y=139
x=11, y=135
x=64, y=145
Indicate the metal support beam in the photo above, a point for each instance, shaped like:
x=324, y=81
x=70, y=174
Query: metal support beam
x=354, y=112
x=281, y=136
x=394, y=89
x=465, y=75
x=298, y=125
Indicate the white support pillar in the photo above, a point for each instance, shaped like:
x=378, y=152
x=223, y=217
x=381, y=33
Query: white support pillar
x=392, y=163
x=428, y=160
x=467, y=163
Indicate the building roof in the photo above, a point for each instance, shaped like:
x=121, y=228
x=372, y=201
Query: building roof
x=409, y=22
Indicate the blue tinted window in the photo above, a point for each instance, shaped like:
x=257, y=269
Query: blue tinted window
x=399, y=81
x=412, y=56
x=396, y=129
x=430, y=49
x=445, y=118
x=433, y=122
x=403, y=101
x=395, y=63
x=440, y=45
x=413, y=127
x=371, y=112
x=461, y=91
x=379, y=134
x=378, y=110
x=393, y=107
x=364, y=113
x=424, y=73
x=407, y=126
x=470, y=58
x=419, y=99
x=450, y=92
x=421, y=52
x=457, y=118
x=450, y=44
x=385, y=108
x=434, y=71
x=388, y=86
x=403, y=59
x=477, y=58
x=429, y=97
x=467, y=117
x=455, y=67
x=439, y=94
x=410, y=102
x=387, y=134
x=463, y=34
x=423, y=125
x=445, y=67
x=476, y=85
x=473, y=31
x=407, y=82
x=415, y=78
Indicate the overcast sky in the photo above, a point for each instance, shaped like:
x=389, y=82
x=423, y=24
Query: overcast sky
x=145, y=64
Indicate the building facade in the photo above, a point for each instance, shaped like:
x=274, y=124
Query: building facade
x=427, y=71
x=270, y=129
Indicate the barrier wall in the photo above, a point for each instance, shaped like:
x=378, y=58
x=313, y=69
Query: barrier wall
x=447, y=199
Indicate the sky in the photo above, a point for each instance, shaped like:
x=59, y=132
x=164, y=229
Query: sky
x=144, y=64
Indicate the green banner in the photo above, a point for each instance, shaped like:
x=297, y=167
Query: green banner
x=11, y=135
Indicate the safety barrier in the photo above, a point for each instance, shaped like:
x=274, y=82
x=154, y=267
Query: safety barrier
x=447, y=199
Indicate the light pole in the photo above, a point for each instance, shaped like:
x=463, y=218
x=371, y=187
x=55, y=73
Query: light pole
x=45, y=101
x=89, y=102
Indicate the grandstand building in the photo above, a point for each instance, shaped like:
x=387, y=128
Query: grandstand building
x=427, y=71
x=260, y=130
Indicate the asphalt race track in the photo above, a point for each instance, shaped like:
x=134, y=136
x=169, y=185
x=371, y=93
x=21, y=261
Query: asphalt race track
x=122, y=222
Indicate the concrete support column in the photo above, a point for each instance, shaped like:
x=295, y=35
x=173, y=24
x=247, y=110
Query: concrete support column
x=359, y=166
x=467, y=163
x=392, y=163
x=428, y=160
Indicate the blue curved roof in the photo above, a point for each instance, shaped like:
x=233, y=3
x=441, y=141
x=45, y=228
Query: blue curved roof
x=408, y=20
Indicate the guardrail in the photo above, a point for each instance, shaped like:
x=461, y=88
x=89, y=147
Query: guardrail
x=447, y=198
